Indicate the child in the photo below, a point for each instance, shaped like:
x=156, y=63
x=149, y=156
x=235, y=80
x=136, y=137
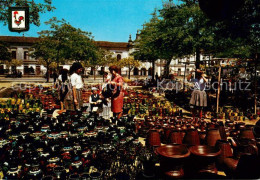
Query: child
x=94, y=100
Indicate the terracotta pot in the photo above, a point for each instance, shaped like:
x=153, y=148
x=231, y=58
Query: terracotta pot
x=175, y=137
x=244, y=145
x=226, y=150
x=172, y=158
x=204, y=157
x=246, y=133
x=153, y=138
x=167, y=132
x=212, y=136
x=191, y=137
x=246, y=167
x=222, y=132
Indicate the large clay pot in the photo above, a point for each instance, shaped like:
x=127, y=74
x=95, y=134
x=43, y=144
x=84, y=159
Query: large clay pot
x=204, y=158
x=172, y=159
x=246, y=167
x=212, y=136
x=175, y=137
x=244, y=145
x=191, y=137
x=222, y=131
x=246, y=133
x=226, y=150
x=153, y=138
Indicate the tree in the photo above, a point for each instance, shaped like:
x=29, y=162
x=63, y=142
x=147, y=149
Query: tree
x=107, y=59
x=13, y=63
x=35, y=9
x=94, y=62
x=242, y=28
x=130, y=63
x=71, y=43
x=5, y=55
x=146, y=47
x=185, y=30
x=178, y=31
x=63, y=43
x=45, y=52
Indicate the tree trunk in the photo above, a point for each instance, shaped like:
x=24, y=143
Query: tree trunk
x=153, y=69
x=103, y=73
x=129, y=73
x=167, y=68
x=197, y=63
x=48, y=73
x=94, y=73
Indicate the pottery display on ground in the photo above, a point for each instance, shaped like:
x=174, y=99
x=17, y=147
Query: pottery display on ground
x=172, y=158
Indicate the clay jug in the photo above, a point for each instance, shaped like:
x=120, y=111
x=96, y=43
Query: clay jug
x=212, y=136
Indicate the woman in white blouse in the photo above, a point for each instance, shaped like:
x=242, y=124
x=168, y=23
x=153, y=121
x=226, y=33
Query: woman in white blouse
x=77, y=84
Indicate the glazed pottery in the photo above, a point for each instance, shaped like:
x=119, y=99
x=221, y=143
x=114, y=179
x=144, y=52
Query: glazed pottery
x=175, y=137
x=212, y=136
x=247, y=133
x=191, y=137
x=172, y=158
x=226, y=150
x=204, y=158
x=153, y=138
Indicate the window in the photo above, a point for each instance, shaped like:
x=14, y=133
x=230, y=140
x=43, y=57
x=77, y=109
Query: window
x=179, y=71
x=150, y=71
x=136, y=71
x=118, y=57
x=13, y=54
x=143, y=72
x=25, y=55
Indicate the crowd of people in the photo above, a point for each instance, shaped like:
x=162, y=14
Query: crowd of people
x=70, y=85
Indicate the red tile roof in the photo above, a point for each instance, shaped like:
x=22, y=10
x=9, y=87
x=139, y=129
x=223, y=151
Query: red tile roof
x=18, y=39
x=116, y=45
x=31, y=40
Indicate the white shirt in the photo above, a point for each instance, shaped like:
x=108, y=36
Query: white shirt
x=60, y=78
x=199, y=84
x=76, y=81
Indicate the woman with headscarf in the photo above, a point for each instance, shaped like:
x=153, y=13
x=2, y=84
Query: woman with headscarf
x=77, y=84
x=198, y=99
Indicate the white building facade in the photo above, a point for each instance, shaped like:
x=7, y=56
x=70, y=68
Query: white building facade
x=21, y=47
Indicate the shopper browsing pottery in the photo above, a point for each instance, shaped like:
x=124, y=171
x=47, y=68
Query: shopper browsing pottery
x=77, y=84
x=63, y=87
x=117, y=98
x=198, y=99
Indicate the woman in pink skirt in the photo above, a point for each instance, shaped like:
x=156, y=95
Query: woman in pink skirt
x=118, y=95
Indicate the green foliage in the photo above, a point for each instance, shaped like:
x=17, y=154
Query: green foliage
x=14, y=62
x=35, y=9
x=130, y=63
x=242, y=30
x=45, y=50
x=71, y=43
x=146, y=45
x=182, y=29
x=5, y=55
x=63, y=43
x=178, y=31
